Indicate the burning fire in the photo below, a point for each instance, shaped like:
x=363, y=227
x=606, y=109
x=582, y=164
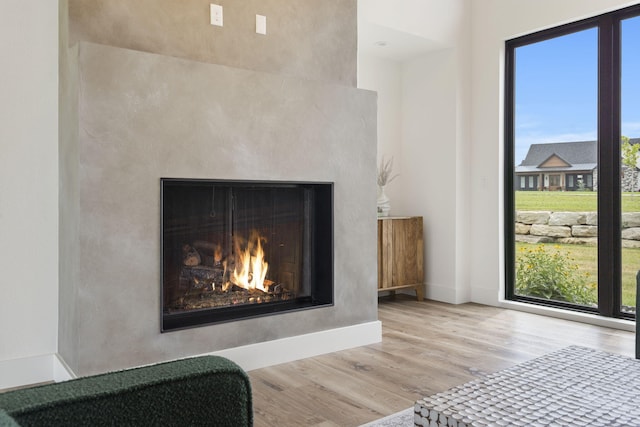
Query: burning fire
x=250, y=266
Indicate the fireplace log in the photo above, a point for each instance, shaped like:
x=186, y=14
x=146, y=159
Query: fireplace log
x=200, y=277
x=190, y=256
x=205, y=246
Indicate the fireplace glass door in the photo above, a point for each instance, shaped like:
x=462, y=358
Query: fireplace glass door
x=237, y=249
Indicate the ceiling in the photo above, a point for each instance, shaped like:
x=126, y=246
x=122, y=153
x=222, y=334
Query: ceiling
x=387, y=43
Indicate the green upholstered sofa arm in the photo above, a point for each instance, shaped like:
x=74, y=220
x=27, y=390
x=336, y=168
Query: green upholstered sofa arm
x=6, y=420
x=207, y=390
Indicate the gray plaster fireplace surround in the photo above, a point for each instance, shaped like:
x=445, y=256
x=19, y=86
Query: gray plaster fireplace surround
x=138, y=117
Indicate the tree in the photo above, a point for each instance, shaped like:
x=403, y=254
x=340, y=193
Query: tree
x=629, y=152
x=629, y=155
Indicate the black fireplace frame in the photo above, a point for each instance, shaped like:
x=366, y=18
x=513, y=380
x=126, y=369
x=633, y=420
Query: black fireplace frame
x=322, y=266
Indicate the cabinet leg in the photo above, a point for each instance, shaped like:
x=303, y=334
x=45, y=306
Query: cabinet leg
x=420, y=292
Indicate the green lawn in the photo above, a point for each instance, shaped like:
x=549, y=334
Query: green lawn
x=586, y=258
x=569, y=201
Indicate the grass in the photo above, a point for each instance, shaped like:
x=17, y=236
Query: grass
x=569, y=201
x=586, y=258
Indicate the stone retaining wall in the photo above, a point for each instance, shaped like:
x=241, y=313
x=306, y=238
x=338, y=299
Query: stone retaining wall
x=579, y=228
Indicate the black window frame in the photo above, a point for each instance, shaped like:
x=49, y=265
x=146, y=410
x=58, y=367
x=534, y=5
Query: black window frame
x=609, y=168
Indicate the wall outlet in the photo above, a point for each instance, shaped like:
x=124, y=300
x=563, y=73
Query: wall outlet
x=216, y=15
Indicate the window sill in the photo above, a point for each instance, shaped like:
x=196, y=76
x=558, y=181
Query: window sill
x=593, y=319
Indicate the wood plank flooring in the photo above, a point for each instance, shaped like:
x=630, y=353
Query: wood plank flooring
x=427, y=347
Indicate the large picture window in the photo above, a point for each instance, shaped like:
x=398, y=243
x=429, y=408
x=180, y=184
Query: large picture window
x=572, y=138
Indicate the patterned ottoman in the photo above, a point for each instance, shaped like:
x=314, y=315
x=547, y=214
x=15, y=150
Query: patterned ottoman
x=575, y=386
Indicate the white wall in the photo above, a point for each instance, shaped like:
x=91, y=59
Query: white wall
x=495, y=21
x=430, y=154
x=28, y=179
x=383, y=76
x=427, y=185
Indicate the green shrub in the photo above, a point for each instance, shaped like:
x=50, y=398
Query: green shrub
x=552, y=275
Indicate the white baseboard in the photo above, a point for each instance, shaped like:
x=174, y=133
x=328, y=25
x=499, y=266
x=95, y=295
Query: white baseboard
x=269, y=353
x=486, y=296
x=32, y=370
x=51, y=367
x=440, y=293
x=61, y=371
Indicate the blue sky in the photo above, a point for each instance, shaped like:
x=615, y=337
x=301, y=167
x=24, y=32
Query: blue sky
x=556, y=88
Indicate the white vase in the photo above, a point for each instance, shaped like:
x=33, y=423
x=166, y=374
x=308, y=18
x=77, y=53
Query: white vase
x=384, y=204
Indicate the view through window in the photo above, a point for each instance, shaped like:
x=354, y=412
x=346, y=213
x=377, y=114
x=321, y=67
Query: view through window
x=572, y=154
x=630, y=123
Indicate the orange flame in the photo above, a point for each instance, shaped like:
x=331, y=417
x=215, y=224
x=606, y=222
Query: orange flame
x=217, y=255
x=251, y=268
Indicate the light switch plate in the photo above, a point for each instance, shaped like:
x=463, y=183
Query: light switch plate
x=261, y=24
x=216, y=15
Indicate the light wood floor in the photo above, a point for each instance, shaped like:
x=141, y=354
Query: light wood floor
x=427, y=347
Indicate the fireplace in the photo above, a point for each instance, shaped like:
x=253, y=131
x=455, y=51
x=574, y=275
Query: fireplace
x=239, y=249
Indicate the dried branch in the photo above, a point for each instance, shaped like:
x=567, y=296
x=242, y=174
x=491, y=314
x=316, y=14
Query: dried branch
x=384, y=172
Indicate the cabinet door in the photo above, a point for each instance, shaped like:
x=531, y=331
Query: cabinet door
x=385, y=251
x=407, y=251
x=400, y=252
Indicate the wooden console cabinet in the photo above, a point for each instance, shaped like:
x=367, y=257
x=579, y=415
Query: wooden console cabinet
x=400, y=254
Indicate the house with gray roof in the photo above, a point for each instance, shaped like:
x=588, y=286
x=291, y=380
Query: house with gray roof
x=567, y=166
